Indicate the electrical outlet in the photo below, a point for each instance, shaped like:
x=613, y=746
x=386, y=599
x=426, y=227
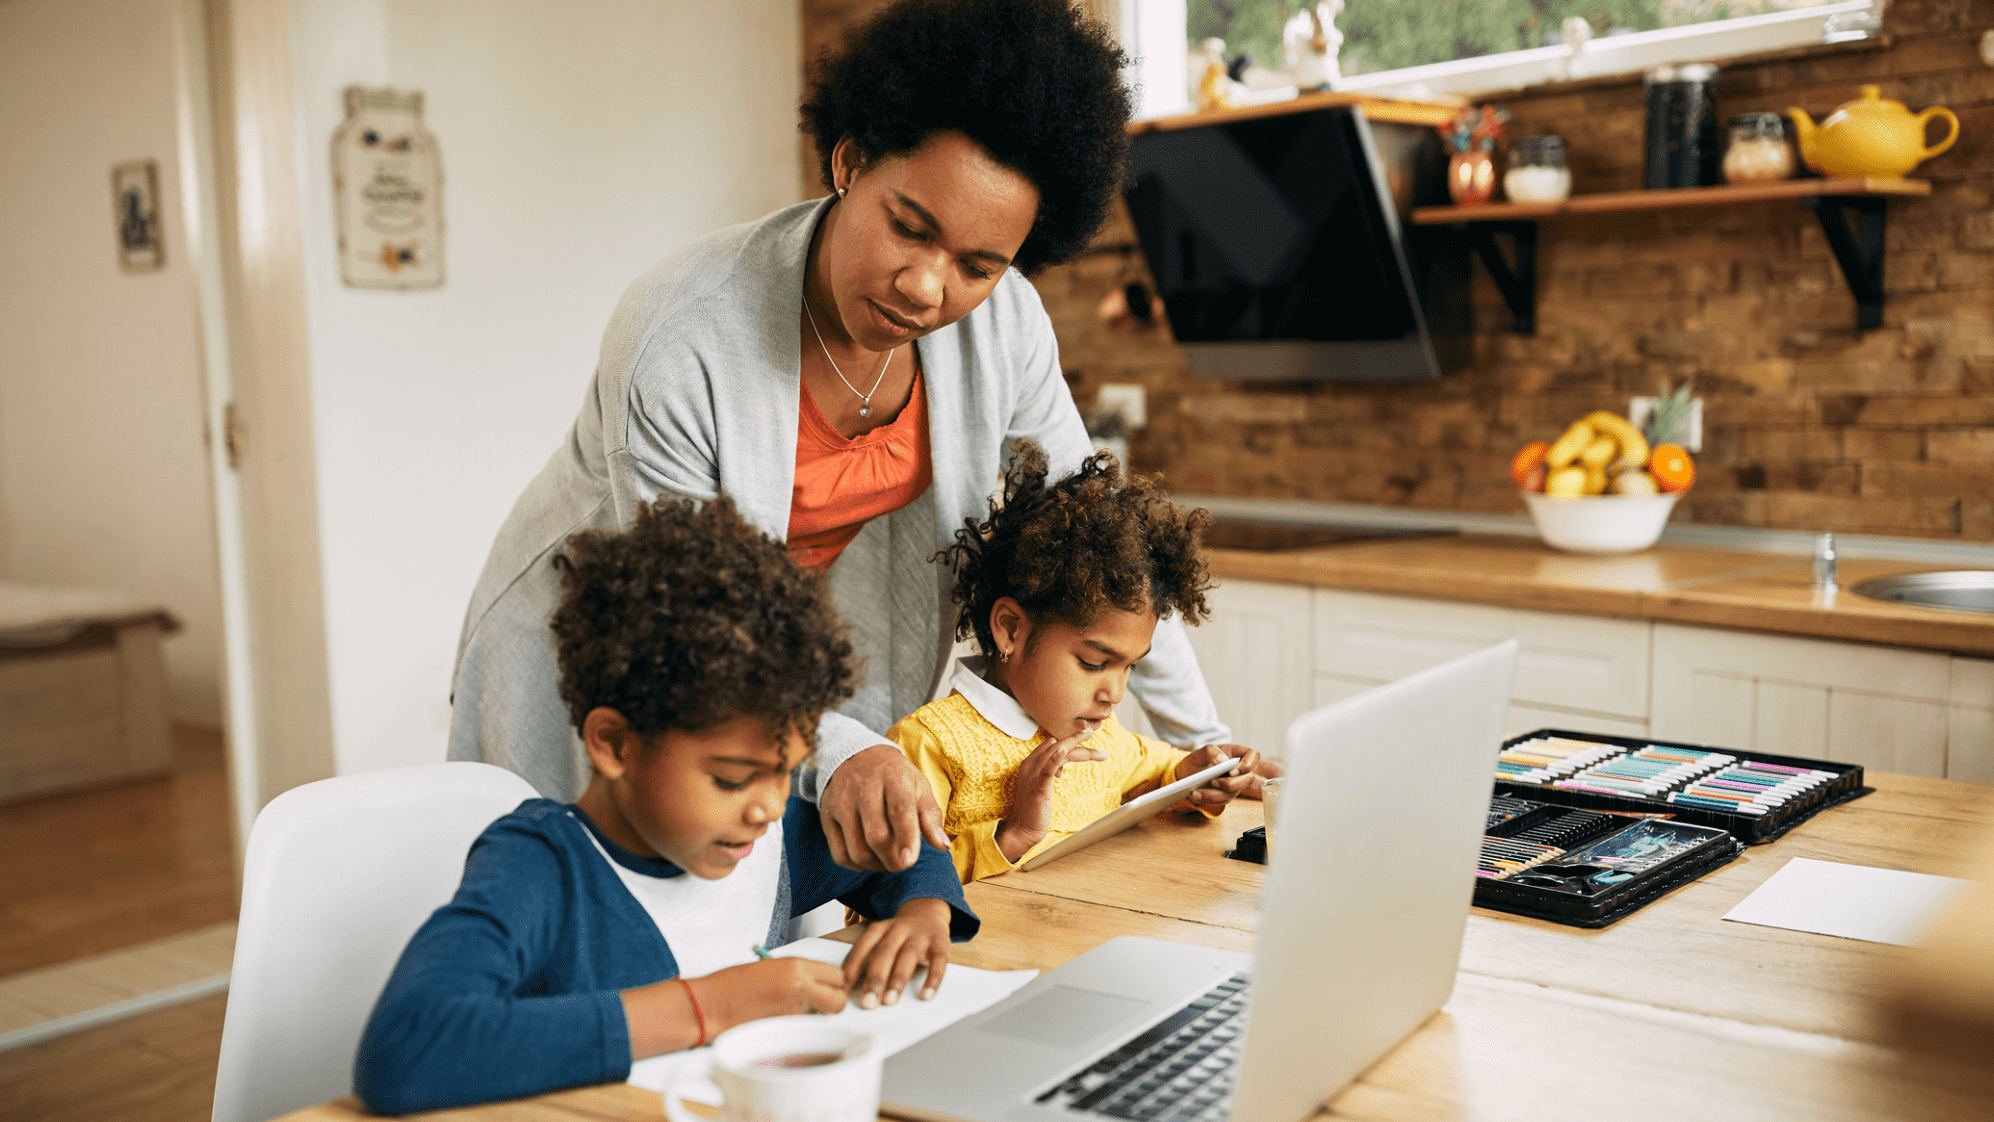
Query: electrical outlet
x=1640, y=408
x=1127, y=398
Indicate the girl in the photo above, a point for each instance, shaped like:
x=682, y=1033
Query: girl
x=1062, y=586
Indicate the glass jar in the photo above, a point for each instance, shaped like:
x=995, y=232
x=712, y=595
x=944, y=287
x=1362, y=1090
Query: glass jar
x=1758, y=150
x=1682, y=148
x=1537, y=171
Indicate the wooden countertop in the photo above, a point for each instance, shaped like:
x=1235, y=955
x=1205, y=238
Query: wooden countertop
x=1709, y=587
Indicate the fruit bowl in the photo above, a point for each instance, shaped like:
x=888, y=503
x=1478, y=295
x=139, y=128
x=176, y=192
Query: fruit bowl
x=1601, y=523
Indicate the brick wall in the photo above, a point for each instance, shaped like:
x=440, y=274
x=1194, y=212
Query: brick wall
x=1808, y=423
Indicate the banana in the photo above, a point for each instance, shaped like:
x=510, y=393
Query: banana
x=1567, y=447
x=1599, y=453
x=1633, y=446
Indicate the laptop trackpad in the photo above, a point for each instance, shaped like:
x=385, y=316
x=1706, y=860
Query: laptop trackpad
x=1065, y=1017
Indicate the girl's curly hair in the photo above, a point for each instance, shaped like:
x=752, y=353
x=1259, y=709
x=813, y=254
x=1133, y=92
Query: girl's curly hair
x=1032, y=81
x=690, y=618
x=1071, y=550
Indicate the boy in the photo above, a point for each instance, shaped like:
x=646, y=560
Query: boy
x=695, y=659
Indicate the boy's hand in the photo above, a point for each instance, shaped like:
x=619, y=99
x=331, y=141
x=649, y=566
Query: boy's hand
x=769, y=988
x=662, y=1019
x=889, y=951
x=1219, y=791
x=1025, y=824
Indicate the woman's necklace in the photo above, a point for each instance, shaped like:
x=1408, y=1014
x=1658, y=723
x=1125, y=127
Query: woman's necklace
x=865, y=399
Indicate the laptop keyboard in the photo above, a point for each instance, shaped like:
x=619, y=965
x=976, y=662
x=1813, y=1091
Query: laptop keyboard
x=1178, y=1070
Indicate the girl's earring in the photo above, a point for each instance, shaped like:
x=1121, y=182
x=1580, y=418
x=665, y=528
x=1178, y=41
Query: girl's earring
x=841, y=192
x=1004, y=657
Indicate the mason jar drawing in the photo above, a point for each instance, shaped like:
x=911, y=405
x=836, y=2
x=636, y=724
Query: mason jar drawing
x=387, y=183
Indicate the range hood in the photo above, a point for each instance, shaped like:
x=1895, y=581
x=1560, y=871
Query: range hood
x=1281, y=247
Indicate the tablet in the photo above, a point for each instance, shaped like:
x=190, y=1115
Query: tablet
x=1128, y=814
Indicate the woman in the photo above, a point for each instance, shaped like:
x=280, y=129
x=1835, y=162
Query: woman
x=849, y=370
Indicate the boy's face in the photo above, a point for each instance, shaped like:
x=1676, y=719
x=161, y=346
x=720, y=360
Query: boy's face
x=1067, y=677
x=700, y=800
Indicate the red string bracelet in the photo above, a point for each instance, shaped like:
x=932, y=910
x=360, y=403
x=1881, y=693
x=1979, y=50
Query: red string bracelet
x=698, y=1014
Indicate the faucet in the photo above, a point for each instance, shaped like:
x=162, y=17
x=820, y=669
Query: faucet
x=1824, y=563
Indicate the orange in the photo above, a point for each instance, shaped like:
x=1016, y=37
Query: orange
x=1672, y=468
x=1530, y=457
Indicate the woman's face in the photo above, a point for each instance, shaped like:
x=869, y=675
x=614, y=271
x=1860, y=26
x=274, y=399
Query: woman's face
x=919, y=240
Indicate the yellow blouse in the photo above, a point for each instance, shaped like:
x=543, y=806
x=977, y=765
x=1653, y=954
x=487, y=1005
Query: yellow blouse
x=971, y=764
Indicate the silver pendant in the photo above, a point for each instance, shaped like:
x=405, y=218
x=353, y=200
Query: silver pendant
x=865, y=408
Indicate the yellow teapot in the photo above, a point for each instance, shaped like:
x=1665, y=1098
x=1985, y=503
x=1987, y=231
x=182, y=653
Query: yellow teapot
x=1871, y=137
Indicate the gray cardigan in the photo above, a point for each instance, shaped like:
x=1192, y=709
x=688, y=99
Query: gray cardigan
x=696, y=392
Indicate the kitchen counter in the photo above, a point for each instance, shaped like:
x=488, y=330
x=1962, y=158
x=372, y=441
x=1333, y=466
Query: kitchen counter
x=1673, y=583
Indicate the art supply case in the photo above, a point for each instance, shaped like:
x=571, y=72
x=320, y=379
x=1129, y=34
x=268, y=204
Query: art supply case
x=1748, y=828
x=1596, y=867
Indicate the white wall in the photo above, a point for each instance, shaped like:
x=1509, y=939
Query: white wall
x=580, y=142
x=102, y=473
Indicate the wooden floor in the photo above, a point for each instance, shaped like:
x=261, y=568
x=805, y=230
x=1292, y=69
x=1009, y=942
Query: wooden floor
x=105, y=869
x=155, y=1067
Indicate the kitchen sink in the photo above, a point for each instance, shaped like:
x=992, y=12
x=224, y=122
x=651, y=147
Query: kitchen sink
x=1962, y=590
x=1274, y=537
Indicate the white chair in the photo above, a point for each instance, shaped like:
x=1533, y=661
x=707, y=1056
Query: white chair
x=339, y=874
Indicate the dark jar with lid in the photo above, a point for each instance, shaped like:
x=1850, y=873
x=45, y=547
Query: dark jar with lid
x=1683, y=146
x=1757, y=152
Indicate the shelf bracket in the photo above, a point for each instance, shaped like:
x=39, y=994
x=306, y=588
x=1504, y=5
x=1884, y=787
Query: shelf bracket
x=1858, y=252
x=1518, y=282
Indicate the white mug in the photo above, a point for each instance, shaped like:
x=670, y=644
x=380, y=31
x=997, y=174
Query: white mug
x=787, y=1069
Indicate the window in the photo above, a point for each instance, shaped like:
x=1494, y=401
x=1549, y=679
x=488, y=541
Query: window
x=1466, y=47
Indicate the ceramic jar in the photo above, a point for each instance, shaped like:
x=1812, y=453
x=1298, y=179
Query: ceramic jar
x=1471, y=177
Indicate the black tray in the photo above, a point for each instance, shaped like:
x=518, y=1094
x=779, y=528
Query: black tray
x=1749, y=828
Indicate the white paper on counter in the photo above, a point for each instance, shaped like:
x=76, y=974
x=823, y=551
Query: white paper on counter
x=1851, y=901
x=964, y=990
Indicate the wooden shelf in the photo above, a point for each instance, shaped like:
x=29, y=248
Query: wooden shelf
x=1430, y=112
x=1859, y=251
x=1673, y=198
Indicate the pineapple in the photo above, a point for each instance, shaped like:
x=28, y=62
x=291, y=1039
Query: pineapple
x=1668, y=423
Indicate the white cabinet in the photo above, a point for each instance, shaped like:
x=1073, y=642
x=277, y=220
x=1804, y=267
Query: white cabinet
x=1254, y=651
x=1881, y=707
x=1970, y=730
x=1583, y=673
x=1273, y=651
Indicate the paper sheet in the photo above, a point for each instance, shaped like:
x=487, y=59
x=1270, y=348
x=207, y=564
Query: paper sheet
x=964, y=990
x=1851, y=901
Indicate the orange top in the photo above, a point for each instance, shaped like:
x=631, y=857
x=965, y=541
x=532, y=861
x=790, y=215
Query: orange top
x=843, y=484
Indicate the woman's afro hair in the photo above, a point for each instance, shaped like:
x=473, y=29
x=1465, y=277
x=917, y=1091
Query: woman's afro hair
x=690, y=618
x=1032, y=81
x=1071, y=550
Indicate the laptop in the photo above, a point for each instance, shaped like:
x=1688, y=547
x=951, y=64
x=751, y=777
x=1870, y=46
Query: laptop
x=1361, y=918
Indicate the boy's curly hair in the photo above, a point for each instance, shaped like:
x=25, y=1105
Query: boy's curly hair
x=1071, y=550
x=1032, y=81
x=690, y=618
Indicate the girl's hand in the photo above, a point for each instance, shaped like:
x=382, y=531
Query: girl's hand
x=1025, y=825
x=1219, y=791
x=889, y=951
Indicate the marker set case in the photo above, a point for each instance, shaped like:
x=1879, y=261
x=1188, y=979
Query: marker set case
x=1588, y=868
x=1756, y=796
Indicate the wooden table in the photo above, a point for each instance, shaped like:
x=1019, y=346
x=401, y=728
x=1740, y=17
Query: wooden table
x=1670, y=1013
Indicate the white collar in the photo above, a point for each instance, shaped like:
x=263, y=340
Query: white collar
x=995, y=706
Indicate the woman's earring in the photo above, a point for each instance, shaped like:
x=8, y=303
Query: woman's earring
x=1004, y=657
x=841, y=192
